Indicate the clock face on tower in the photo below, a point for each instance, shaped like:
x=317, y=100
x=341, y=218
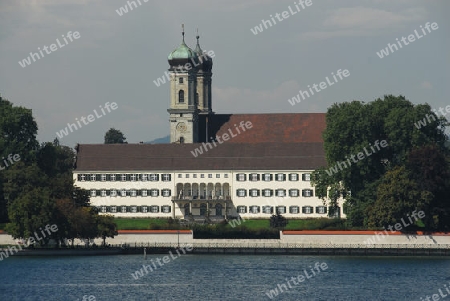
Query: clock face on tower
x=181, y=127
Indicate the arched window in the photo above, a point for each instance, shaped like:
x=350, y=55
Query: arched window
x=181, y=139
x=181, y=96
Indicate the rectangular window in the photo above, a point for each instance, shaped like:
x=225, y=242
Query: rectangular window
x=180, y=80
x=166, y=192
x=307, y=209
x=267, y=177
x=133, y=192
x=187, y=176
x=166, y=177
x=81, y=178
x=144, y=209
x=103, y=177
x=241, y=192
x=112, y=178
x=281, y=192
x=194, y=176
x=254, y=192
x=321, y=209
x=242, y=209
x=93, y=177
x=113, y=209
x=103, y=209
x=240, y=177
x=254, y=177
x=202, y=176
x=210, y=175
x=306, y=177
x=294, y=209
x=165, y=209
x=133, y=177
x=254, y=209
x=144, y=177
x=293, y=177
x=225, y=176
x=123, y=192
x=154, y=209
x=281, y=177
x=154, y=192
x=281, y=209
x=123, y=209
x=180, y=176
x=113, y=192
x=133, y=209
x=293, y=192
x=267, y=209
x=154, y=177
x=93, y=192
x=307, y=192
x=217, y=176
x=103, y=193
x=123, y=177
x=144, y=192
x=267, y=192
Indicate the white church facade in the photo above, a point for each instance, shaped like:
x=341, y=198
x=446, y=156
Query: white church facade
x=213, y=166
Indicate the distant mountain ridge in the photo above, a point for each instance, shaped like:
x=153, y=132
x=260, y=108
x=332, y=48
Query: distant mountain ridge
x=162, y=140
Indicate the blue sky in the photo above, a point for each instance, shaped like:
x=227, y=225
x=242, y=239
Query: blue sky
x=117, y=58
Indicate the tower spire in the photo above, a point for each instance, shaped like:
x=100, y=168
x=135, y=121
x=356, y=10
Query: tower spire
x=182, y=27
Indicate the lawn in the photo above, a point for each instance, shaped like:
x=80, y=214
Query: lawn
x=298, y=224
x=138, y=223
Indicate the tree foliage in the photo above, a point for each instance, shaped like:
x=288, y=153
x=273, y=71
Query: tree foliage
x=114, y=136
x=353, y=126
x=39, y=189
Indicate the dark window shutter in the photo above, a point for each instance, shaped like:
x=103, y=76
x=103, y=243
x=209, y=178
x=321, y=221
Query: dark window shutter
x=284, y=177
x=303, y=209
x=303, y=192
x=303, y=176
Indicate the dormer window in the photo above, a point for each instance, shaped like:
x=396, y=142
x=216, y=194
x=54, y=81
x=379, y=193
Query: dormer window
x=181, y=96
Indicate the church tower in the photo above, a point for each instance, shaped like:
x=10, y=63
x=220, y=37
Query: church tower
x=190, y=92
x=183, y=93
x=204, y=80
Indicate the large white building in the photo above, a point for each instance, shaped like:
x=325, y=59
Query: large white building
x=256, y=164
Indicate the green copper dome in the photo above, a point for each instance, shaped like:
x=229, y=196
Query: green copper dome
x=182, y=52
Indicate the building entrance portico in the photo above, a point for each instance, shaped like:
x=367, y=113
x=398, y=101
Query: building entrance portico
x=203, y=200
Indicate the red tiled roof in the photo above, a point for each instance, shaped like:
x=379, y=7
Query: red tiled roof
x=276, y=128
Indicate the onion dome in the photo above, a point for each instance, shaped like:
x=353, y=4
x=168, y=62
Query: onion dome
x=182, y=55
x=203, y=58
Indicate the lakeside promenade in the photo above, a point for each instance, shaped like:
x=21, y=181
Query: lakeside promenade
x=291, y=242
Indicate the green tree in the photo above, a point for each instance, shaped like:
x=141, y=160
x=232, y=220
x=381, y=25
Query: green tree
x=106, y=227
x=113, y=136
x=30, y=211
x=17, y=136
x=353, y=126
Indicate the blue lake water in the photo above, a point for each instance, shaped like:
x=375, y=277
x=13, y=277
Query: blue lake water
x=222, y=277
